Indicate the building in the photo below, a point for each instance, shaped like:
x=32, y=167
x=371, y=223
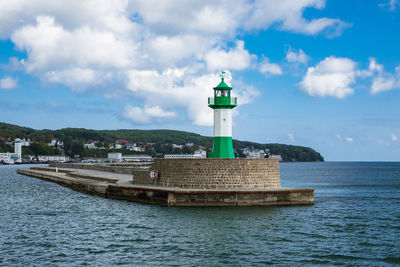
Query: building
x=256, y=154
x=52, y=158
x=136, y=158
x=16, y=157
x=183, y=156
x=18, y=150
x=89, y=146
x=279, y=157
x=138, y=149
x=115, y=157
x=56, y=143
x=222, y=103
x=201, y=152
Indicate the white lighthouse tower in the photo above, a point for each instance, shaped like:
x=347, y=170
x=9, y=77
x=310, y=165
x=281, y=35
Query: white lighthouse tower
x=222, y=103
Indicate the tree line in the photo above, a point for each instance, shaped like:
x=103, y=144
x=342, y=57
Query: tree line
x=161, y=140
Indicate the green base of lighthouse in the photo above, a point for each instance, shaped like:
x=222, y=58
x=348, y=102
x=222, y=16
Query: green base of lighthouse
x=222, y=148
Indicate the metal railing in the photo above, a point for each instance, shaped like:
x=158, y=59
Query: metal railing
x=233, y=101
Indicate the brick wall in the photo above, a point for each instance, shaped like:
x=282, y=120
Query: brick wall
x=212, y=173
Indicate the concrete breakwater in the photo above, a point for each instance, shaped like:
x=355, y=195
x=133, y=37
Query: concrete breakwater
x=181, y=182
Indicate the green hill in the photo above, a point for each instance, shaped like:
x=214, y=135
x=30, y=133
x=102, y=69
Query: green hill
x=75, y=137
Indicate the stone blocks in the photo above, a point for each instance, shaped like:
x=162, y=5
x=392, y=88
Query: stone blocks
x=212, y=173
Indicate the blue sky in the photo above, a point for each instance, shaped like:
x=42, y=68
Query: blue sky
x=323, y=74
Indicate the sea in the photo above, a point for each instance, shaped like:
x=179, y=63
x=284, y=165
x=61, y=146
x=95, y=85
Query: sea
x=355, y=221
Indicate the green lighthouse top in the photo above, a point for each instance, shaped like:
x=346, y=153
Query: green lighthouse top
x=222, y=85
x=222, y=96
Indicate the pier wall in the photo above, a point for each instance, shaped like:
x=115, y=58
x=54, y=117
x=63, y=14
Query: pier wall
x=212, y=173
x=95, y=167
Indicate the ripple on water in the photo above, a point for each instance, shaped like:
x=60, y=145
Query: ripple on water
x=354, y=221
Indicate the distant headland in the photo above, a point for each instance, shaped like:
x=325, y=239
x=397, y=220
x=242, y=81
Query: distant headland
x=156, y=143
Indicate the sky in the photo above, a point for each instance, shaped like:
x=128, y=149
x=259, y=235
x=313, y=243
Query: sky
x=318, y=73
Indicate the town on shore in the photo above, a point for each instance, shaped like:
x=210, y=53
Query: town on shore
x=28, y=152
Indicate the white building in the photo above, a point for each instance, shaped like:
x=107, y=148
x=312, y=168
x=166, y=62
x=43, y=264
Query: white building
x=18, y=149
x=183, y=156
x=117, y=146
x=201, y=152
x=137, y=158
x=276, y=157
x=53, y=158
x=115, y=157
x=89, y=146
x=16, y=157
x=138, y=149
x=56, y=143
x=25, y=142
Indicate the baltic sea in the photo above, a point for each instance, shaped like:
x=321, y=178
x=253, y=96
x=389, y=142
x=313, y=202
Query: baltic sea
x=355, y=221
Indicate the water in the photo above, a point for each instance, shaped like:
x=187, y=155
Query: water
x=355, y=221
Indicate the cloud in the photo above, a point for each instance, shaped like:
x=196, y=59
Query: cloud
x=381, y=80
x=389, y=5
x=235, y=59
x=373, y=69
x=7, y=83
x=268, y=68
x=288, y=15
x=349, y=139
x=394, y=137
x=385, y=82
x=331, y=77
x=147, y=114
x=300, y=56
x=115, y=47
x=50, y=46
x=291, y=137
x=200, y=16
x=184, y=90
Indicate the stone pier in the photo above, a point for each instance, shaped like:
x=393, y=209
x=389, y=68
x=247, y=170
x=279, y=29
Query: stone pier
x=181, y=182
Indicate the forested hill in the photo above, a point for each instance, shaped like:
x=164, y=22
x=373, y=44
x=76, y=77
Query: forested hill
x=80, y=135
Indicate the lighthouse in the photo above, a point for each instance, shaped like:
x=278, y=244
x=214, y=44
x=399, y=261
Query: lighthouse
x=222, y=103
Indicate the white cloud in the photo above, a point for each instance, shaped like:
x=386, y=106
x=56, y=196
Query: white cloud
x=8, y=83
x=385, y=81
x=237, y=58
x=381, y=80
x=288, y=15
x=338, y=137
x=50, y=46
x=268, y=68
x=381, y=84
x=300, y=56
x=373, y=69
x=349, y=139
x=116, y=46
x=184, y=90
x=146, y=114
x=291, y=137
x=331, y=77
x=394, y=137
x=225, y=17
x=389, y=4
